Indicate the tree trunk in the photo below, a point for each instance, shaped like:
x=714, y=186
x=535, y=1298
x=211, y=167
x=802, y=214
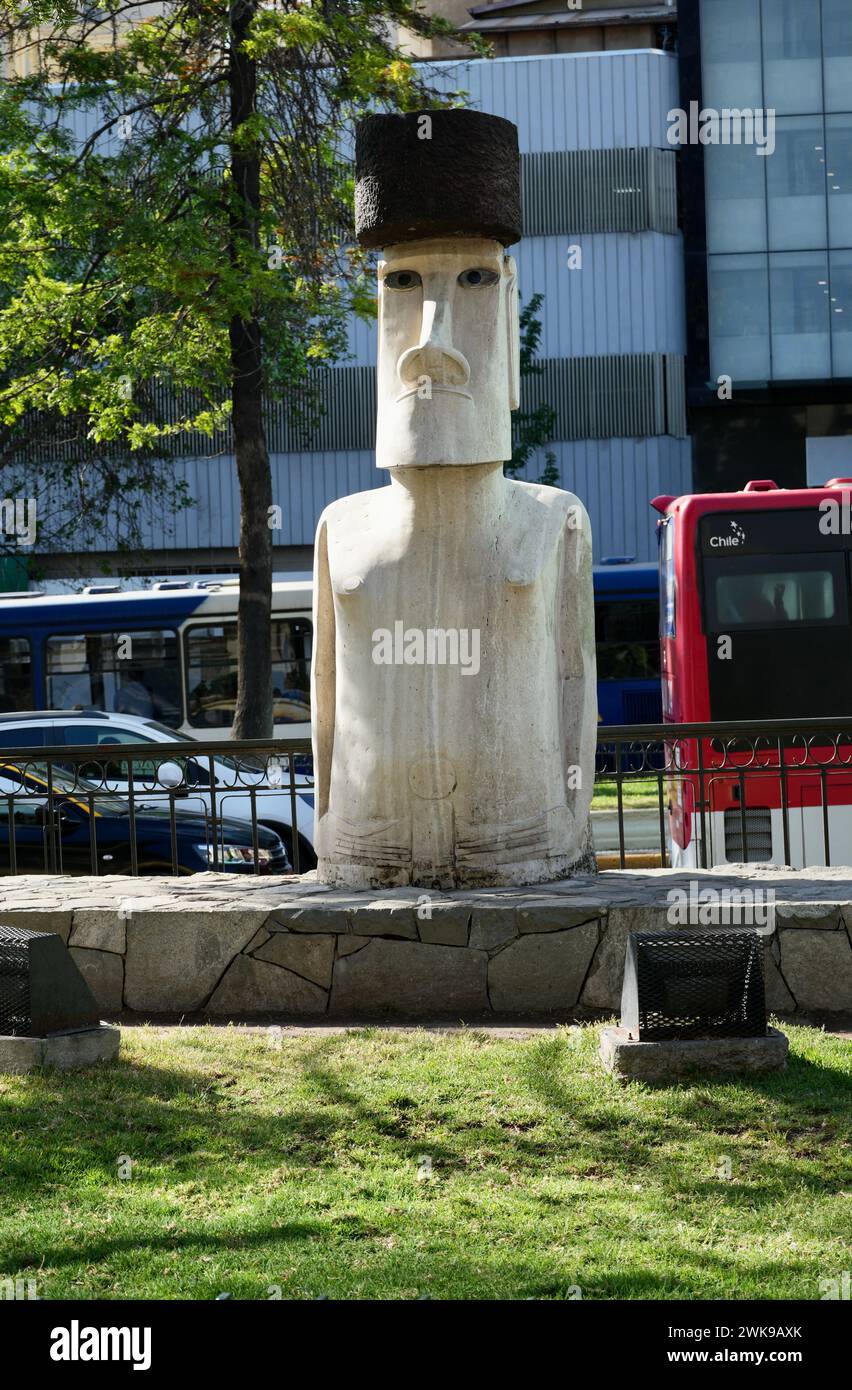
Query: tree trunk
x=253, y=714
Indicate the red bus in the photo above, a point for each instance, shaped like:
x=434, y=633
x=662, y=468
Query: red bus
x=756, y=626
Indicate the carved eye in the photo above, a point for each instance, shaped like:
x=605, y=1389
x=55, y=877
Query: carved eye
x=475, y=279
x=403, y=280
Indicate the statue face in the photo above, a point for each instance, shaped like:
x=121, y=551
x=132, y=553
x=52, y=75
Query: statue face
x=448, y=353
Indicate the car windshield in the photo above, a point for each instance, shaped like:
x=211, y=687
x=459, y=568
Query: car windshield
x=33, y=776
x=173, y=734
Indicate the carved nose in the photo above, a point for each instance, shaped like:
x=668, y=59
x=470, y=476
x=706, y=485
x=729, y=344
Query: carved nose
x=443, y=366
x=434, y=356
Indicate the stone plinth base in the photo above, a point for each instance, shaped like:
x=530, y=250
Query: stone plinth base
x=62, y=1051
x=220, y=946
x=631, y=1060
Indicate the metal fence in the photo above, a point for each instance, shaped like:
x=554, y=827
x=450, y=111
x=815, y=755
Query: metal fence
x=693, y=795
x=776, y=792
x=176, y=808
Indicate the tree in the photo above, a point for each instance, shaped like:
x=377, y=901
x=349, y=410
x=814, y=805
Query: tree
x=533, y=428
x=181, y=263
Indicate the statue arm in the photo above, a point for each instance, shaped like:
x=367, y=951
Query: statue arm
x=578, y=666
x=323, y=674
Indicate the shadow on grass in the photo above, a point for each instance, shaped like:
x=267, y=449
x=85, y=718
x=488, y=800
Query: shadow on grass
x=555, y=1117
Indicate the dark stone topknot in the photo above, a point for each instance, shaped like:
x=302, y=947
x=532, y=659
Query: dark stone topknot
x=463, y=180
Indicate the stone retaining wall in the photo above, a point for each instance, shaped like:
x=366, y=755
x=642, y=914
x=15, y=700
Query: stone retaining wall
x=231, y=948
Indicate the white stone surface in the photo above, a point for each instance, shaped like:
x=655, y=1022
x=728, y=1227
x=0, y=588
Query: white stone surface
x=454, y=694
x=448, y=371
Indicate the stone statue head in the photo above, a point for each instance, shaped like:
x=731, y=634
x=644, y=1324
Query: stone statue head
x=439, y=191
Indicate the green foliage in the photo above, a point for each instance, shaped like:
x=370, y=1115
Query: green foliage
x=124, y=261
x=533, y=429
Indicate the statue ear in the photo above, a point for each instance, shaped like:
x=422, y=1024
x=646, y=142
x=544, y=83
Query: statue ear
x=513, y=329
x=379, y=311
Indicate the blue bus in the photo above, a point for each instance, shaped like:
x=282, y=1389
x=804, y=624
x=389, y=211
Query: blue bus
x=169, y=652
x=627, y=608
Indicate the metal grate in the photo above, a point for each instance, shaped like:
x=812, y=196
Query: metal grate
x=15, y=1019
x=758, y=846
x=685, y=984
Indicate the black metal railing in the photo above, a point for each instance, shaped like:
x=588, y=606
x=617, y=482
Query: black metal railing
x=777, y=791
x=689, y=794
x=176, y=808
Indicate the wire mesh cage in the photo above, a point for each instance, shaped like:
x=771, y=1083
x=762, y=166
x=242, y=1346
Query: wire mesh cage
x=14, y=982
x=685, y=984
x=41, y=988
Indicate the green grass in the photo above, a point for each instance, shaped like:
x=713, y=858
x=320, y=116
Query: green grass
x=638, y=793
x=297, y=1166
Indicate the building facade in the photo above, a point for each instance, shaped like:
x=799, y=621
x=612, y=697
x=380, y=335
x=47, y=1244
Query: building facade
x=768, y=242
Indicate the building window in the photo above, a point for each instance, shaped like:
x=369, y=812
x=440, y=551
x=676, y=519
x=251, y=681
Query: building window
x=792, y=59
x=840, y=315
x=801, y=345
x=838, y=149
x=837, y=50
x=795, y=204
x=795, y=183
x=730, y=48
x=739, y=317
x=736, y=198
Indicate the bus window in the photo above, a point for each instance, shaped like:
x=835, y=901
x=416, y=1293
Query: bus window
x=755, y=593
x=211, y=673
x=16, y=675
x=628, y=644
x=118, y=672
x=667, y=578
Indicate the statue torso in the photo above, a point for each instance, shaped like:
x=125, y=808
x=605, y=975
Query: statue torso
x=447, y=675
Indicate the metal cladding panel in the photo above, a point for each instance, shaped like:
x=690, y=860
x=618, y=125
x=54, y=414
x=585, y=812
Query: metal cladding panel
x=599, y=191
x=627, y=297
x=575, y=101
x=560, y=101
x=302, y=485
x=614, y=478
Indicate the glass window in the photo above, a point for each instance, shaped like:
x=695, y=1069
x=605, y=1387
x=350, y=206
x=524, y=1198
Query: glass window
x=667, y=578
x=106, y=736
x=211, y=673
x=118, y=672
x=838, y=174
x=841, y=312
x=25, y=736
x=739, y=317
x=736, y=197
x=730, y=54
x=801, y=344
x=627, y=638
x=16, y=675
x=837, y=48
x=795, y=183
x=805, y=591
x=792, y=58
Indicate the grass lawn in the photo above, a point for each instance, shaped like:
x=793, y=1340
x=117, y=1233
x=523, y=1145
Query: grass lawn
x=638, y=793
x=303, y=1163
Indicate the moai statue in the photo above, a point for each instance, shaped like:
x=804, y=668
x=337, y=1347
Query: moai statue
x=454, y=695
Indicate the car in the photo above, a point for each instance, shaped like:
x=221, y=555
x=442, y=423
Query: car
x=189, y=778
x=59, y=822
